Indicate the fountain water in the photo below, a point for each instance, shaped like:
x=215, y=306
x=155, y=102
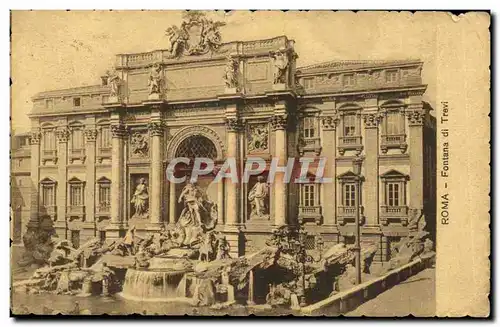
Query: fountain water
x=154, y=285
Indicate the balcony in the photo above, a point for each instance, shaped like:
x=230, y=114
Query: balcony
x=310, y=213
x=104, y=210
x=394, y=141
x=348, y=214
x=77, y=154
x=103, y=153
x=310, y=145
x=350, y=143
x=49, y=155
x=394, y=213
x=76, y=211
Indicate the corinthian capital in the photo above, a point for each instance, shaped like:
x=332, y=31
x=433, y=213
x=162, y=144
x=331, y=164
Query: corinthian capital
x=90, y=135
x=156, y=128
x=372, y=120
x=329, y=123
x=62, y=135
x=118, y=131
x=35, y=138
x=279, y=122
x=234, y=124
x=415, y=117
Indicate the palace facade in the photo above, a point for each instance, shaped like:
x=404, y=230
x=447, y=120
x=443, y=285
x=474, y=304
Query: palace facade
x=92, y=146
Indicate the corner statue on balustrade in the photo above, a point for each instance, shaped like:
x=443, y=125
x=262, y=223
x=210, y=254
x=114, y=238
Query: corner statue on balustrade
x=198, y=216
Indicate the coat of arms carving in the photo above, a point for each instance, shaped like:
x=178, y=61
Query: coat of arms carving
x=197, y=35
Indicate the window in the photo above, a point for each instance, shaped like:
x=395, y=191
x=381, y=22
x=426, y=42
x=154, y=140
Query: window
x=308, y=83
x=49, y=104
x=75, y=192
x=309, y=127
x=349, y=194
x=76, y=196
x=49, y=140
x=391, y=76
x=350, y=122
x=395, y=188
x=349, y=80
x=394, y=123
x=76, y=102
x=104, y=185
x=77, y=139
x=393, y=193
x=308, y=195
x=48, y=187
x=105, y=138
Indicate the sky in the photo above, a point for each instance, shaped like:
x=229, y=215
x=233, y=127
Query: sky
x=62, y=49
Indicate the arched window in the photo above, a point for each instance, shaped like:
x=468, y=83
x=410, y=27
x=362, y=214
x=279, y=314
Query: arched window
x=196, y=147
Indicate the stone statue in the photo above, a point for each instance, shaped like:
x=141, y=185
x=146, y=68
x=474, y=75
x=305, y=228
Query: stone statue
x=280, y=67
x=198, y=216
x=114, y=83
x=258, y=137
x=231, y=73
x=140, y=199
x=177, y=38
x=223, y=249
x=207, y=247
x=155, y=79
x=257, y=196
x=139, y=144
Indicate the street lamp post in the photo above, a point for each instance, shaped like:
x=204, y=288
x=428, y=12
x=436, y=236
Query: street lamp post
x=303, y=257
x=356, y=165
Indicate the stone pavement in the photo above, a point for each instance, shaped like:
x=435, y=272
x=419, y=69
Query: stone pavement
x=415, y=296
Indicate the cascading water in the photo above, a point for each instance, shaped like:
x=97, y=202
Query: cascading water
x=154, y=285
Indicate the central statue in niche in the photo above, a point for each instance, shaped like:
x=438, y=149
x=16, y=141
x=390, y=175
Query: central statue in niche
x=198, y=216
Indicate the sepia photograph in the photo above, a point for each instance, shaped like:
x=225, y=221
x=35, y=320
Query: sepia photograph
x=240, y=163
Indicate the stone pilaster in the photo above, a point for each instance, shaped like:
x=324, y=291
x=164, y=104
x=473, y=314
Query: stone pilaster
x=329, y=150
x=90, y=151
x=279, y=126
x=61, y=193
x=234, y=127
x=35, y=178
x=370, y=163
x=156, y=129
x=416, y=118
x=118, y=133
x=232, y=226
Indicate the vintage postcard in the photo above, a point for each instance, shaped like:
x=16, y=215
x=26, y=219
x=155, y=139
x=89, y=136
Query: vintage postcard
x=267, y=163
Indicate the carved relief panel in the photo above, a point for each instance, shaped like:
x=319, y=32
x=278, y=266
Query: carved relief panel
x=258, y=138
x=139, y=144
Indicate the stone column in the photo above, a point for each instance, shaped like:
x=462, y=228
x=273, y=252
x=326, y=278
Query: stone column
x=279, y=125
x=371, y=188
x=90, y=138
x=172, y=202
x=329, y=151
x=62, y=183
x=35, y=179
x=156, y=180
x=416, y=118
x=118, y=133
